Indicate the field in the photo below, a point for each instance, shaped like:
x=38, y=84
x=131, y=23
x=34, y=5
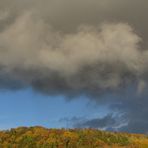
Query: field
x=39, y=137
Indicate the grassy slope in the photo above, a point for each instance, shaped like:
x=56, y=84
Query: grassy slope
x=39, y=137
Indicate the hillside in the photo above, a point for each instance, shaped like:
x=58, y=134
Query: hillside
x=39, y=137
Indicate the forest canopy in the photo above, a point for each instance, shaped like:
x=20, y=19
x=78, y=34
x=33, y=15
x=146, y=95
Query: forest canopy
x=39, y=137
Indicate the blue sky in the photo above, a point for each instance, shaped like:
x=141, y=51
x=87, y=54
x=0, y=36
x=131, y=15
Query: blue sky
x=28, y=108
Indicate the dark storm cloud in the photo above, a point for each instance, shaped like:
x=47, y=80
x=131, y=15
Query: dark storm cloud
x=78, y=47
x=108, y=122
x=91, y=60
x=102, y=123
x=68, y=15
x=136, y=111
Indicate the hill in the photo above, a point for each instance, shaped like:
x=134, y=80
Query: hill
x=39, y=137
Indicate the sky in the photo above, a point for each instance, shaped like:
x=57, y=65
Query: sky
x=26, y=108
x=74, y=64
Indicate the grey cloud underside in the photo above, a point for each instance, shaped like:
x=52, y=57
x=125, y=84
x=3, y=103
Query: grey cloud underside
x=78, y=47
x=108, y=122
x=105, y=122
x=135, y=108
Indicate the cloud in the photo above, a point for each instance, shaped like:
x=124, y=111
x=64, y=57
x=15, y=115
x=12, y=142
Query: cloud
x=135, y=112
x=100, y=123
x=91, y=60
x=108, y=122
x=67, y=15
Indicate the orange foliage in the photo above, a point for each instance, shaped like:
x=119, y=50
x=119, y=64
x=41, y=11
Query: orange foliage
x=39, y=137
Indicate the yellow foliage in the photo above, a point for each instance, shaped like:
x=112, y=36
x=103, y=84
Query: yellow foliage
x=39, y=137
